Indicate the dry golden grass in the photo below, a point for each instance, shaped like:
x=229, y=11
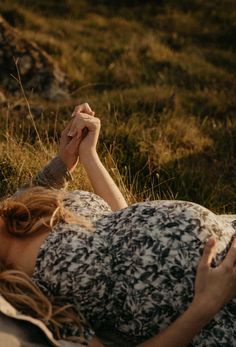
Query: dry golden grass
x=160, y=77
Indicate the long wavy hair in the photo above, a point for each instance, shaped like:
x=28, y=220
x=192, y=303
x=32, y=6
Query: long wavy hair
x=32, y=211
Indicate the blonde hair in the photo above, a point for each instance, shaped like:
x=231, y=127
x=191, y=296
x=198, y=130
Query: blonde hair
x=31, y=211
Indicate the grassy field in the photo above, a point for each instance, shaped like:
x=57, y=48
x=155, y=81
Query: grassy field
x=159, y=74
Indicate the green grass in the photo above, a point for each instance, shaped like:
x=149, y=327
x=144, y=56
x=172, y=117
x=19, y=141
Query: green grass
x=160, y=75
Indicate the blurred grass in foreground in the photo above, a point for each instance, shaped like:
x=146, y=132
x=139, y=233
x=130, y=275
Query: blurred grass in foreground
x=160, y=75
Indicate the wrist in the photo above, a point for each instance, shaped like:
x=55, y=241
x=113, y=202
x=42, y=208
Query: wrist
x=69, y=163
x=88, y=156
x=203, y=310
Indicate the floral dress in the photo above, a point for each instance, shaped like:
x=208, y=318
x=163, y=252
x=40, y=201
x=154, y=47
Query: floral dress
x=134, y=272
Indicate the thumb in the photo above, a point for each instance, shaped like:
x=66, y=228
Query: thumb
x=208, y=253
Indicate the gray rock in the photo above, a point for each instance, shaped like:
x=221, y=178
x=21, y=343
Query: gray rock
x=39, y=73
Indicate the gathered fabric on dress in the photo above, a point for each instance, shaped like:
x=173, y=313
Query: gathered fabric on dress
x=134, y=273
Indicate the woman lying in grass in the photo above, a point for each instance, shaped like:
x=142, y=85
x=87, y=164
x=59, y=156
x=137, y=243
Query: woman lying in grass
x=102, y=264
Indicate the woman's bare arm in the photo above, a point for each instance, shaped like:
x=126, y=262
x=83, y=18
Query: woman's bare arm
x=179, y=333
x=83, y=132
x=182, y=331
x=102, y=182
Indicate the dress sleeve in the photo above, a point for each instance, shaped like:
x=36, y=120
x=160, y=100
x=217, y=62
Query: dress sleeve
x=54, y=175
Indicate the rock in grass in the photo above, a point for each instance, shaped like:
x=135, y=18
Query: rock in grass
x=39, y=73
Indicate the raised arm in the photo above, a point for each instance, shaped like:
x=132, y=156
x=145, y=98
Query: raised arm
x=57, y=172
x=79, y=141
x=214, y=287
x=84, y=130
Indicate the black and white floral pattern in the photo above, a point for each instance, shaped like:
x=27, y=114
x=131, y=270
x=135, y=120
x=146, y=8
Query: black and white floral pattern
x=135, y=272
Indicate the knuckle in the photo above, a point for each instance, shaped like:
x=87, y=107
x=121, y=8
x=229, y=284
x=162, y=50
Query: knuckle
x=80, y=107
x=82, y=117
x=78, y=116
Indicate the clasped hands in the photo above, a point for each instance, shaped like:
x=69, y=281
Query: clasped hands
x=79, y=138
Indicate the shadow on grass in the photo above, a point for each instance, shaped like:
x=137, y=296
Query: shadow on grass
x=208, y=177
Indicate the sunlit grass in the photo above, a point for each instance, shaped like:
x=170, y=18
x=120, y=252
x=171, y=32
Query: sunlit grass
x=160, y=77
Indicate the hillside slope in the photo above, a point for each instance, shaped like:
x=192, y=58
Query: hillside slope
x=161, y=76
